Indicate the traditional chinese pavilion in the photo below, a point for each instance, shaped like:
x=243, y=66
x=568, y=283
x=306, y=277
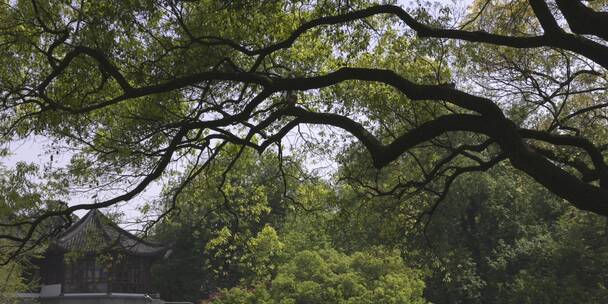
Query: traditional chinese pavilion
x=96, y=261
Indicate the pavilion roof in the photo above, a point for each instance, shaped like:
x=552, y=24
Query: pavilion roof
x=96, y=232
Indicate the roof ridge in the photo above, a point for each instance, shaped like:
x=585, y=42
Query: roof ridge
x=112, y=234
x=77, y=224
x=111, y=223
x=99, y=217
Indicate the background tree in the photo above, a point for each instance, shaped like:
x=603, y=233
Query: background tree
x=496, y=238
x=222, y=223
x=330, y=277
x=20, y=198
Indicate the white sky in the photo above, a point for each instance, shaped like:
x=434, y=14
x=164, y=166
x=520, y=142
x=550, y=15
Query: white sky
x=33, y=150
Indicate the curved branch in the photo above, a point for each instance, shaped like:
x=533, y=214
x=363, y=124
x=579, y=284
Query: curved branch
x=584, y=20
x=574, y=141
x=104, y=64
x=382, y=154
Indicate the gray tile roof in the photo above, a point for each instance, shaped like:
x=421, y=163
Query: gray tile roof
x=96, y=232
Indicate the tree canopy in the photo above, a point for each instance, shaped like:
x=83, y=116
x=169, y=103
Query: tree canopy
x=327, y=276
x=418, y=95
x=497, y=238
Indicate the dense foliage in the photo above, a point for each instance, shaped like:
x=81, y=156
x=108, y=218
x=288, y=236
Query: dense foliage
x=326, y=276
x=465, y=145
x=218, y=235
x=497, y=237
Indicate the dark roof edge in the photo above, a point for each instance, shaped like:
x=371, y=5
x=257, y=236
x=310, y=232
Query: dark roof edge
x=100, y=220
x=77, y=224
x=129, y=234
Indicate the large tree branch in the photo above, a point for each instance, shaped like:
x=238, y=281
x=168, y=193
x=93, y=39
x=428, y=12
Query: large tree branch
x=494, y=124
x=584, y=20
x=574, y=141
x=410, y=89
x=544, y=16
x=587, y=174
x=554, y=36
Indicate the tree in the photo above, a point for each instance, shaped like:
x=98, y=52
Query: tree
x=11, y=281
x=221, y=235
x=503, y=236
x=18, y=195
x=496, y=238
x=132, y=87
x=327, y=276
